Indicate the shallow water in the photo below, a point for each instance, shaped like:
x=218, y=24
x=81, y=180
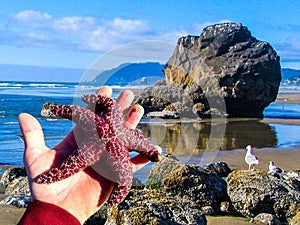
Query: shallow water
x=181, y=138
x=230, y=134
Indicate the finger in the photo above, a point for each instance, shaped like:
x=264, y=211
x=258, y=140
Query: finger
x=33, y=136
x=134, y=116
x=31, y=130
x=140, y=160
x=105, y=91
x=125, y=99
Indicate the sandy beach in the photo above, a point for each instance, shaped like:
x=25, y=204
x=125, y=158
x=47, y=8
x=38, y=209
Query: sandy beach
x=288, y=159
x=288, y=97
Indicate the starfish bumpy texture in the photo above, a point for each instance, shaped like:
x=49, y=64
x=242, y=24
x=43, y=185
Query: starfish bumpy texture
x=105, y=132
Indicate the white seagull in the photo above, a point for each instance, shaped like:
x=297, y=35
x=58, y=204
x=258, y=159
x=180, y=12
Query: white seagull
x=274, y=169
x=251, y=159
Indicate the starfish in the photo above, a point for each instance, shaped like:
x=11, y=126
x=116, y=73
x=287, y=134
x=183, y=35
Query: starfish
x=104, y=132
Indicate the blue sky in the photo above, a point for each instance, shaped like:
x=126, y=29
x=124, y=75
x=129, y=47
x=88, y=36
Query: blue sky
x=75, y=33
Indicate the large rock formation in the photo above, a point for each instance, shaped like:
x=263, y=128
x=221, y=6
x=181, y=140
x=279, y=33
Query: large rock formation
x=225, y=65
x=255, y=192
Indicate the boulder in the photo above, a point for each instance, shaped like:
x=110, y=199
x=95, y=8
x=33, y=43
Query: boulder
x=155, y=207
x=161, y=170
x=200, y=185
x=255, y=192
x=175, y=193
x=225, y=71
x=15, y=182
x=12, y=173
x=16, y=187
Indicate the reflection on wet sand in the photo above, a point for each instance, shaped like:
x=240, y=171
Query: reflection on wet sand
x=184, y=139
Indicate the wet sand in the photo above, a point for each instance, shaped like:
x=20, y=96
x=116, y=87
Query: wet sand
x=229, y=220
x=287, y=159
x=8, y=214
x=288, y=97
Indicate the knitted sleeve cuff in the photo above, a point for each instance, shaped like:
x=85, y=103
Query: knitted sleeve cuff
x=43, y=213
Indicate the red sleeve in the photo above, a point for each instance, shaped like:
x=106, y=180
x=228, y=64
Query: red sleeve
x=42, y=213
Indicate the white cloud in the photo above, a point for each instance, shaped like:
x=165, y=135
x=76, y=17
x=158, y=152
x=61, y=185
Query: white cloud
x=37, y=36
x=74, y=24
x=87, y=33
x=33, y=19
x=128, y=25
x=84, y=33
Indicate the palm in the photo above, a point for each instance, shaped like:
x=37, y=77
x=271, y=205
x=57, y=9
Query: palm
x=86, y=185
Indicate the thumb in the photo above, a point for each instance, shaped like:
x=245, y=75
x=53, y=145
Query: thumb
x=32, y=133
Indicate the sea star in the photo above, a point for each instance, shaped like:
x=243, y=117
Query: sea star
x=104, y=130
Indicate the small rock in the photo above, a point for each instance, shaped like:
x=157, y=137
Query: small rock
x=18, y=201
x=162, y=115
x=46, y=112
x=225, y=207
x=221, y=169
x=18, y=186
x=267, y=218
x=207, y=210
x=11, y=174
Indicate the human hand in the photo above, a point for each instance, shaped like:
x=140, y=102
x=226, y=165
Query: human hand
x=85, y=192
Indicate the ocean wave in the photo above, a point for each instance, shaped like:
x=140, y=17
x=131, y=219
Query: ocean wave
x=84, y=87
x=47, y=85
x=295, y=88
x=53, y=119
x=119, y=88
x=11, y=85
x=36, y=85
x=10, y=123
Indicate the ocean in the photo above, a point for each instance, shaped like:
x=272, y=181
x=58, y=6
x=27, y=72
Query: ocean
x=18, y=97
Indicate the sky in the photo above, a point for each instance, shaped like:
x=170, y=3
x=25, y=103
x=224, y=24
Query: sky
x=78, y=33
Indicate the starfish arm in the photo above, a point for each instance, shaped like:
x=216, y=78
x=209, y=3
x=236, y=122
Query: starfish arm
x=84, y=118
x=137, y=142
x=122, y=175
x=77, y=161
x=118, y=194
x=122, y=187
